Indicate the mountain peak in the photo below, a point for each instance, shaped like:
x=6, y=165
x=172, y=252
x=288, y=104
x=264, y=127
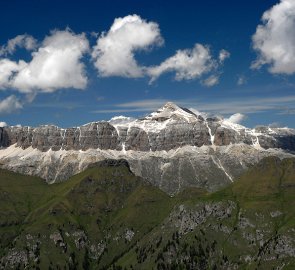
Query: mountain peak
x=171, y=110
x=171, y=106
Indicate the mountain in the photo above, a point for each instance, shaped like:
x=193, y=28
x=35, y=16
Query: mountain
x=172, y=148
x=107, y=218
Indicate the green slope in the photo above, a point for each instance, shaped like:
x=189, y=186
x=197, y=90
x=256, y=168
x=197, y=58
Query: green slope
x=105, y=217
x=251, y=226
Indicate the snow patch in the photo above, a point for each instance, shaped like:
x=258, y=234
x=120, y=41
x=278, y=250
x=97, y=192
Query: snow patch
x=220, y=166
x=212, y=137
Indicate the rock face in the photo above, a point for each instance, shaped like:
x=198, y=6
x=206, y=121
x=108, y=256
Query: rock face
x=172, y=148
x=94, y=135
x=169, y=128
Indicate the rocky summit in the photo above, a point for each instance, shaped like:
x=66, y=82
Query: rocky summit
x=172, y=148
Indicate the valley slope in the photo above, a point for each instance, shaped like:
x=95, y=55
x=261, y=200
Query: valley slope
x=107, y=218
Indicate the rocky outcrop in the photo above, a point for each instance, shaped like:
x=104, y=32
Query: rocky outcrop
x=111, y=163
x=136, y=139
x=178, y=134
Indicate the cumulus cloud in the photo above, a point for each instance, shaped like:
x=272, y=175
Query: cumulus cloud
x=10, y=104
x=8, y=69
x=236, y=118
x=55, y=65
x=113, y=54
x=274, y=39
x=223, y=55
x=3, y=124
x=21, y=41
x=211, y=80
x=187, y=64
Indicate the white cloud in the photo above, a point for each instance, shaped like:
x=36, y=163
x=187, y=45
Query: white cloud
x=10, y=104
x=113, y=54
x=236, y=118
x=121, y=120
x=145, y=103
x=21, y=41
x=55, y=65
x=225, y=105
x=8, y=69
x=3, y=124
x=100, y=98
x=223, y=55
x=135, y=106
x=187, y=64
x=241, y=80
x=275, y=125
x=211, y=81
x=274, y=39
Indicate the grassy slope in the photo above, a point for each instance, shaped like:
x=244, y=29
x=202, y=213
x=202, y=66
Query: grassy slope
x=19, y=195
x=266, y=188
x=99, y=201
x=103, y=202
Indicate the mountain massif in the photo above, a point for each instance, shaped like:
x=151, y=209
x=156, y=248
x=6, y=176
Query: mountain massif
x=173, y=148
x=173, y=190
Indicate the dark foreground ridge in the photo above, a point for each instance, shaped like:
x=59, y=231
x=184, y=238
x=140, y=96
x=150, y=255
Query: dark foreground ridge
x=107, y=218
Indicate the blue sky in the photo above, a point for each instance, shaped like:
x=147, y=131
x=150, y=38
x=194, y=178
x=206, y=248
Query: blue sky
x=99, y=90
